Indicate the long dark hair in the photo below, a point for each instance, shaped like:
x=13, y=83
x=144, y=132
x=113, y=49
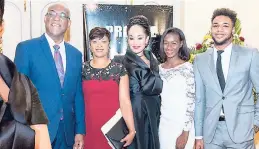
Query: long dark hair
x=1, y=10
x=184, y=51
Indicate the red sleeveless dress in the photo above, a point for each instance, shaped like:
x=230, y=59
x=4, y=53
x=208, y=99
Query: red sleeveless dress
x=101, y=95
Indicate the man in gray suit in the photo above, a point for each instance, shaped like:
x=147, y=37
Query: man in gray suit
x=225, y=114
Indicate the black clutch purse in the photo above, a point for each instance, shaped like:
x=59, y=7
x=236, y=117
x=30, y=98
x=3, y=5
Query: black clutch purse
x=115, y=130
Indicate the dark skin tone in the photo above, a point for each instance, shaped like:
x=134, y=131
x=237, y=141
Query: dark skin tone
x=222, y=30
x=172, y=45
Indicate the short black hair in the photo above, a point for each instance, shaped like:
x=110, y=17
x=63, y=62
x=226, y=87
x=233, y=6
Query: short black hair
x=141, y=21
x=225, y=12
x=99, y=32
x=184, y=51
x=2, y=2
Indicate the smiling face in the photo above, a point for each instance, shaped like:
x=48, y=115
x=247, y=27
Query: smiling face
x=137, y=39
x=222, y=30
x=172, y=44
x=57, y=21
x=100, y=47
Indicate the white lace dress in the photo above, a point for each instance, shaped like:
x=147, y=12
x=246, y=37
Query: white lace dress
x=178, y=102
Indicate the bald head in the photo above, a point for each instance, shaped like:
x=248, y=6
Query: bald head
x=57, y=21
x=59, y=6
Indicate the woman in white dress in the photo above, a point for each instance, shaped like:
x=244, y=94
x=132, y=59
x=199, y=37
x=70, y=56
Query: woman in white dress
x=176, y=130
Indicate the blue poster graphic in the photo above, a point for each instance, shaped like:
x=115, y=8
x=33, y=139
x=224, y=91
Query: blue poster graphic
x=115, y=19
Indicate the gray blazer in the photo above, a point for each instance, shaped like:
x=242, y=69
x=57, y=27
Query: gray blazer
x=237, y=99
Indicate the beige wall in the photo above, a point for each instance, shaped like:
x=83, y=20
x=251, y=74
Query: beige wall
x=197, y=15
x=192, y=16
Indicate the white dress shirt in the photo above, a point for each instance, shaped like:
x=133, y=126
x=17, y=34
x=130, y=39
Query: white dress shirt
x=62, y=49
x=225, y=61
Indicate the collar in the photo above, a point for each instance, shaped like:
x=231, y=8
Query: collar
x=227, y=50
x=138, y=61
x=51, y=41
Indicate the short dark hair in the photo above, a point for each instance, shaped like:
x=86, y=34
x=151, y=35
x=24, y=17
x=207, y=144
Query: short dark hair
x=141, y=21
x=99, y=32
x=225, y=12
x=184, y=51
x=2, y=2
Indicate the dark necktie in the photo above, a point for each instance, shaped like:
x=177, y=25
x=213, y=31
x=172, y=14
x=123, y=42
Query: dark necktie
x=220, y=71
x=59, y=64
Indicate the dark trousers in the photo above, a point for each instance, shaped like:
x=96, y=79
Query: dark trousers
x=60, y=139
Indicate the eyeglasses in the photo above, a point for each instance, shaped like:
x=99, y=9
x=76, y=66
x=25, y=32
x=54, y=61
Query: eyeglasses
x=53, y=14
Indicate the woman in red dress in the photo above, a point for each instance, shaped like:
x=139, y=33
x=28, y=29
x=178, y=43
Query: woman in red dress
x=106, y=89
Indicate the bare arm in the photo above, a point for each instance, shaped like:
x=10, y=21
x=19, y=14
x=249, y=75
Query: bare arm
x=126, y=109
x=42, y=140
x=39, y=121
x=4, y=90
x=125, y=104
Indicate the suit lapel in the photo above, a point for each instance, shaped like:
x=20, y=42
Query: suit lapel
x=232, y=66
x=68, y=62
x=46, y=50
x=213, y=69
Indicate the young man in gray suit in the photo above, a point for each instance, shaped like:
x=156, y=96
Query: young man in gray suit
x=225, y=113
